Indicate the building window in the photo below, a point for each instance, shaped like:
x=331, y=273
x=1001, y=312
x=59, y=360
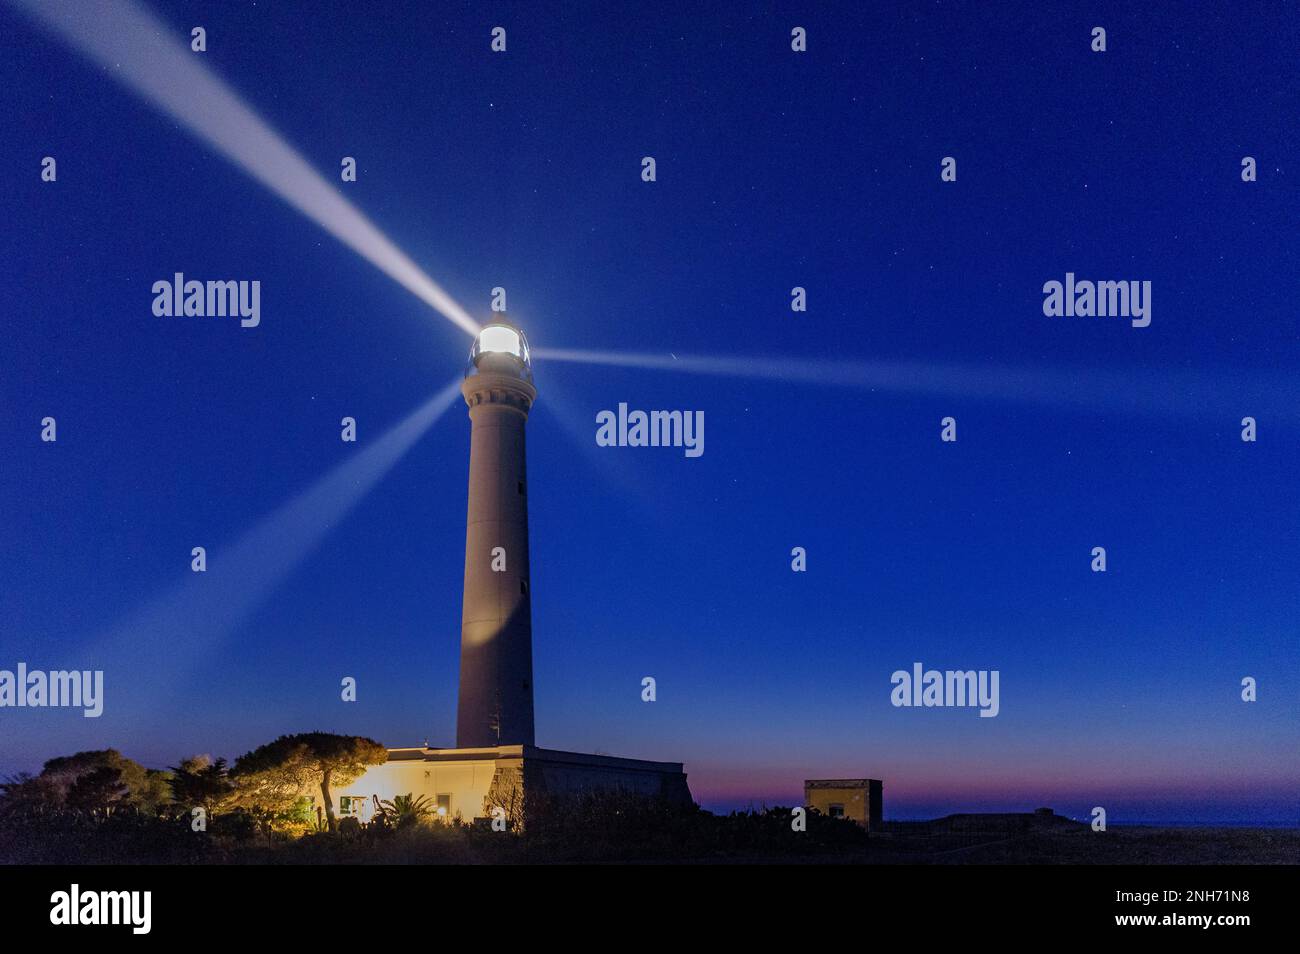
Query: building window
x=521, y=488
x=836, y=810
x=523, y=587
x=444, y=806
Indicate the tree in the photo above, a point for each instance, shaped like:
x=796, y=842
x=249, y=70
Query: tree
x=97, y=793
x=509, y=795
x=27, y=798
x=146, y=790
x=154, y=794
x=199, y=782
x=271, y=779
x=274, y=775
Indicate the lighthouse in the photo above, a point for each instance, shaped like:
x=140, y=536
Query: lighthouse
x=496, y=767
x=495, y=706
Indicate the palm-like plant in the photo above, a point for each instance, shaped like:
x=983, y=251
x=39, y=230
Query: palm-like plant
x=406, y=809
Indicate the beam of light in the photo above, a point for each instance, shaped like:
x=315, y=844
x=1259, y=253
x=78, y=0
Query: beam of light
x=147, y=57
x=1189, y=393
x=158, y=646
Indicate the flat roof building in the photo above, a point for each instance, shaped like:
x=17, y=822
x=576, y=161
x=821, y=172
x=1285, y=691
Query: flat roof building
x=469, y=783
x=857, y=799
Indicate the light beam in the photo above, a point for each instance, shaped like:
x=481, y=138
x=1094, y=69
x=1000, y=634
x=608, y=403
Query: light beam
x=175, y=632
x=145, y=55
x=1180, y=393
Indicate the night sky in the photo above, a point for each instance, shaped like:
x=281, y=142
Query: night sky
x=774, y=169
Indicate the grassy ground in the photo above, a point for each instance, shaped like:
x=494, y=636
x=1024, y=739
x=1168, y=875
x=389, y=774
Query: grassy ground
x=696, y=839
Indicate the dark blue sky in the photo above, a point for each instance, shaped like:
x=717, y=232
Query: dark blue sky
x=774, y=169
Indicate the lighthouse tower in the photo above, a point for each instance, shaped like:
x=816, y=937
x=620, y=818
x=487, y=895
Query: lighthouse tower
x=496, y=761
x=496, y=631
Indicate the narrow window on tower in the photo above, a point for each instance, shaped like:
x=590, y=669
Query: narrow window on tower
x=523, y=587
x=521, y=488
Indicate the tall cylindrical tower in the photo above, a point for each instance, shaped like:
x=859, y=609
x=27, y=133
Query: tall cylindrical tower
x=496, y=630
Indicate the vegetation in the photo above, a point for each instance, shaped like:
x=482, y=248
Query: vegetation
x=404, y=811
x=275, y=776
x=102, y=808
x=203, y=783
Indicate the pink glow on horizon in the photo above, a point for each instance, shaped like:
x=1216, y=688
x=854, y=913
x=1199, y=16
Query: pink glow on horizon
x=957, y=788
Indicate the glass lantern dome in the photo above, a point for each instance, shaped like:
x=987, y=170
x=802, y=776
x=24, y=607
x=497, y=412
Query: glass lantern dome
x=500, y=347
